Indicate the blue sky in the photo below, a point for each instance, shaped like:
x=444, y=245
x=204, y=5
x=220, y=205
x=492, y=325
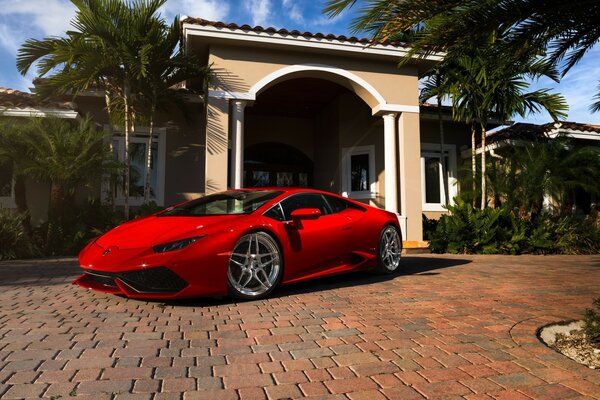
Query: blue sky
x=22, y=19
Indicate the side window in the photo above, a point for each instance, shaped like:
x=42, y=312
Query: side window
x=336, y=204
x=304, y=200
x=275, y=212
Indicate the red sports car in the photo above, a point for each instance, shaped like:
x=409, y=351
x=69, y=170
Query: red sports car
x=243, y=243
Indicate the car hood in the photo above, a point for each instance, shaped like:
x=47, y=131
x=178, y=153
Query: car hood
x=153, y=230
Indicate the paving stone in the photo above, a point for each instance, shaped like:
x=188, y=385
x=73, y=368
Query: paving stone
x=468, y=331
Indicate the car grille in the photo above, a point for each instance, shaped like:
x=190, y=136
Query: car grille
x=151, y=280
x=102, y=279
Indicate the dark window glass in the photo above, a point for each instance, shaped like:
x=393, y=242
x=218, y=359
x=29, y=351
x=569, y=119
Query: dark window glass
x=304, y=200
x=275, y=213
x=6, y=176
x=227, y=203
x=432, y=180
x=359, y=173
x=336, y=204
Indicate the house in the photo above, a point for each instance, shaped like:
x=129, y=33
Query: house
x=519, y=134
x=290, y=108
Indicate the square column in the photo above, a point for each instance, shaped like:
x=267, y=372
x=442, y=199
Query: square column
x=217, y=123
x=409, y=150
x=390, y=162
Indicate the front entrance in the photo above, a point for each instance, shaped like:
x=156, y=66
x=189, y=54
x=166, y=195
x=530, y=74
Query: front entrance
x=276, y=164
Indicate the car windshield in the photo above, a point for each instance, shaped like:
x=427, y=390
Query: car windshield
x=226, y=203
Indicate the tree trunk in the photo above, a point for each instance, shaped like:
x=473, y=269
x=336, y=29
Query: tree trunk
x=127, y=158
x=473, y=162
x=149, y=156
x=483, y=172
x=442, y=157
x=112, y=185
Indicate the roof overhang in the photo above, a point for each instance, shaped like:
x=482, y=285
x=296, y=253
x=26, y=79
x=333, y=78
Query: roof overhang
x=249, y=36
x=38, y=112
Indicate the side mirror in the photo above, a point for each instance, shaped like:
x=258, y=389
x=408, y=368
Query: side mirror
x=303, y=214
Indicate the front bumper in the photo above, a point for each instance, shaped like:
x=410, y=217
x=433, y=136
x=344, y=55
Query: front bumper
x=147, y=283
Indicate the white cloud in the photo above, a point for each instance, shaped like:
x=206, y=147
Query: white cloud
x=259, y=10
x=293, y=11
x=50, y=17
x=213, y=10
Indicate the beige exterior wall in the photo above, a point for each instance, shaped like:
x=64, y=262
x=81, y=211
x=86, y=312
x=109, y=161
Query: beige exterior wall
x=238, y=69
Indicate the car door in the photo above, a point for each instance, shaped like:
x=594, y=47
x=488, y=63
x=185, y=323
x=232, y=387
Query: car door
x=318, y=244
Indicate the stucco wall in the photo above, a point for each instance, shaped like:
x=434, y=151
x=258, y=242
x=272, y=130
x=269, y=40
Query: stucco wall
x=238, y=69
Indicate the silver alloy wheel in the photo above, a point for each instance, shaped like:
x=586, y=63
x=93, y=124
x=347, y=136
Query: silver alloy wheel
x=254, y=265
x=390, y=248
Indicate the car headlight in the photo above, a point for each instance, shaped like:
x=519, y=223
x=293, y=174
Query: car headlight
x=177, y=245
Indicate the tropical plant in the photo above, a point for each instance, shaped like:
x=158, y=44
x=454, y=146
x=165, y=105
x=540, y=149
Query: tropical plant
x=117, y=46
x=505, y=230
x=545, y=168
x=168, y=65
x=481, y=86
x=68, y=155
x=592, y=322
x=16, y=243
x=13, y=151
x=568, y=32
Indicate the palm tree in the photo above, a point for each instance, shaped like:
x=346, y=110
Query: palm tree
x=168, y=66
x=69, y=156
x=494, y=86
x=108, y=49
x=568, y=32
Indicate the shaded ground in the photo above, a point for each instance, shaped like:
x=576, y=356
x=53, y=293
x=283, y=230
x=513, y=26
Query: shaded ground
x=447, y=327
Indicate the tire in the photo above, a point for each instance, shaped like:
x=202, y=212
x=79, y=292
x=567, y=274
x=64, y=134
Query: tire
x=255, y=266
x=389, y=250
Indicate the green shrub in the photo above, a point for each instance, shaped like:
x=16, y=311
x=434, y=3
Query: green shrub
x=429, y=227
x=592, y=323
x=505, y=231
x=70, y=233
x=14, y=242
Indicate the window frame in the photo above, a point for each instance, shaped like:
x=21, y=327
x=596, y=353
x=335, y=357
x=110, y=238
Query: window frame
x=9, y=201
x=432, y=150
x=347, y=153
x=140, y=136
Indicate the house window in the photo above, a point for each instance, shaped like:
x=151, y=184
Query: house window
x=7, y=188
x=432, y=181
x=137, y=172
x=358, y=179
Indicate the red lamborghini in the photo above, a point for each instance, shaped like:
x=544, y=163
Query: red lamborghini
x=243, y=243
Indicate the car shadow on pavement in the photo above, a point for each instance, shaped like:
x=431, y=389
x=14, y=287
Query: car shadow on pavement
x=410, y=265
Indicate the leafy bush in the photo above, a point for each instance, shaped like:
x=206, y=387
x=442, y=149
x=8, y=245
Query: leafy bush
x=506, y=231
x=14, y=242
x=68, y=234
x=592, y=323
x=429, y=227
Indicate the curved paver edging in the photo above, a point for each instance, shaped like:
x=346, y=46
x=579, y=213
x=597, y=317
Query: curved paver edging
x=526, y=334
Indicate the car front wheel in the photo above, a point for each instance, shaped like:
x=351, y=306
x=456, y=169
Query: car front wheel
x=255, y=266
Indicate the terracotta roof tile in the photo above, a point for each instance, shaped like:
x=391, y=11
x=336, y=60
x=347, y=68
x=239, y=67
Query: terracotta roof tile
x=12, y=98
x=526, y=131
x=285, y=32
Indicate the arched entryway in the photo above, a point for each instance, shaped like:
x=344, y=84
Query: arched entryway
x=315, y=122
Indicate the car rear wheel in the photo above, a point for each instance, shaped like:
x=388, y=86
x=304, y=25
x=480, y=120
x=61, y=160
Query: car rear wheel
x=255, y=266
x=390, y=250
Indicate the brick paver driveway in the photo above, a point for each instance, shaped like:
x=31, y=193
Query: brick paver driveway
x=448, y=326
